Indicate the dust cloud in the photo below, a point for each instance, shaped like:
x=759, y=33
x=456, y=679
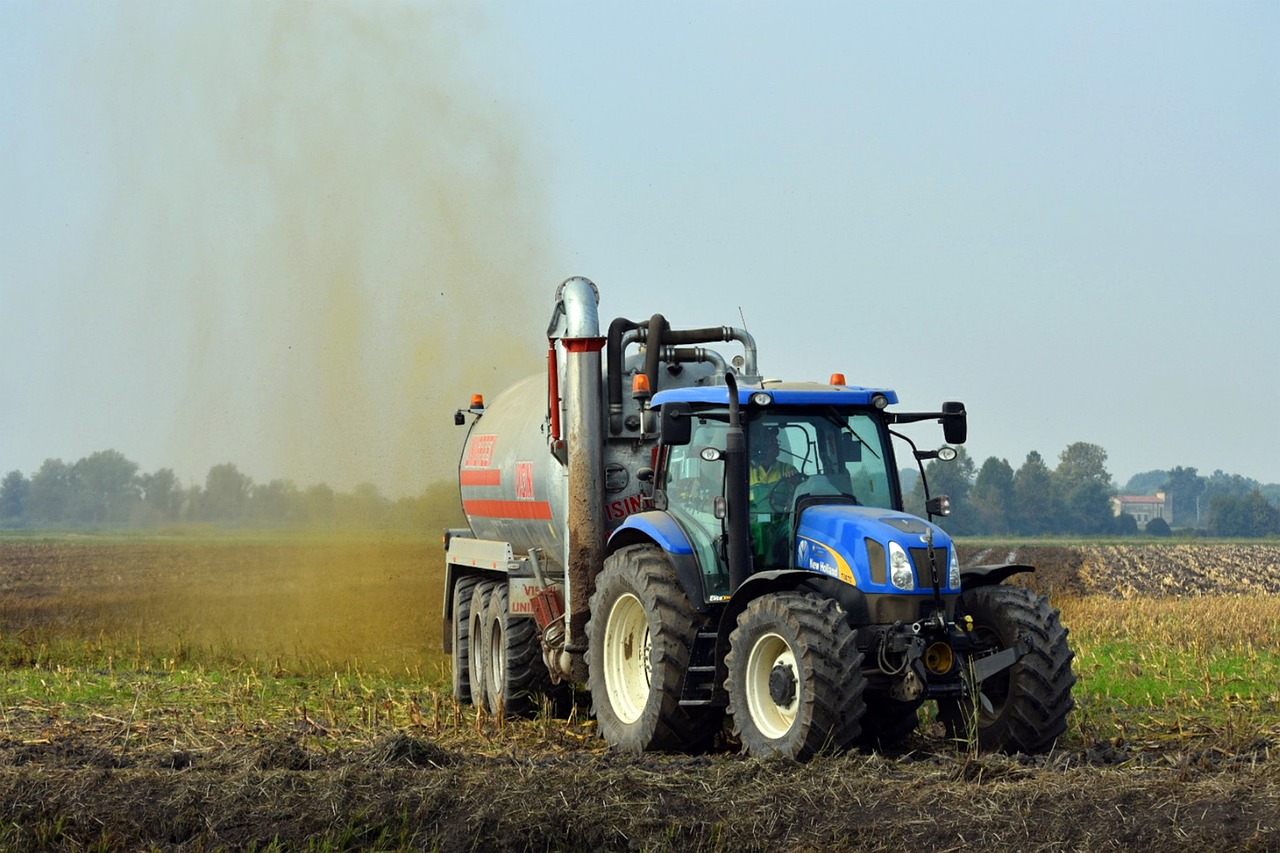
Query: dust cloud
x=336, y=216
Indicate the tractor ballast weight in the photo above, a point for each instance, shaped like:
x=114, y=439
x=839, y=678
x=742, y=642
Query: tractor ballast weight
x=691, y=540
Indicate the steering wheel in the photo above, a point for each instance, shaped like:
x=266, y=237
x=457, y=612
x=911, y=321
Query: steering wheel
x=780, y=495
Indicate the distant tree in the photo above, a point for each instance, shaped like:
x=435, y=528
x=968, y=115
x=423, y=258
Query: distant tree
x=50, y=495
x=278, y=503
x=104, y=490
x=1222, y=483
x=1243, y=515
x=318, y=502
x=1084, y=486
x=226, y=494
x=992, y=497
x=162, y=496
x=907, y=478
x=1035, y=509
x=1184, y=488
x=1159, y=527
x=1125, y=524
x=1146, y=483
x=13, y=498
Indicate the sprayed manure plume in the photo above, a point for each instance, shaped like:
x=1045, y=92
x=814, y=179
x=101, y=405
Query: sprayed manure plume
x=340, y=216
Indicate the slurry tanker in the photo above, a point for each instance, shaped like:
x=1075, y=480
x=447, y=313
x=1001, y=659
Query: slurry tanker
x=693, y=541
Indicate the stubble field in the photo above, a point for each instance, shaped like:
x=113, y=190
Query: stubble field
x=276, y=692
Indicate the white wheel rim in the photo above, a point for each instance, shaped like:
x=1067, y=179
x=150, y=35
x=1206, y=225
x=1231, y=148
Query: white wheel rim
x=627, y=668
x=773, y=720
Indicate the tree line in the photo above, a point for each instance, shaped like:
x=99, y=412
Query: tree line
x=106, y=490
x=1075, y=498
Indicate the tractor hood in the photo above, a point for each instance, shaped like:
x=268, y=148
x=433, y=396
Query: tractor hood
x=854, y=543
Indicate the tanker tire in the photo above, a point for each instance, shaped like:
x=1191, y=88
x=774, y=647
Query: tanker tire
x=887, y=721
x=1030, y=701
x=795, y=677
x=517, y=678
x=639, y=636
x=475, y=648
x=461, y=630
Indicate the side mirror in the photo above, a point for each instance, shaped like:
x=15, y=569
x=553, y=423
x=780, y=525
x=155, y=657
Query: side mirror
x=955, y=424
x=676, y=426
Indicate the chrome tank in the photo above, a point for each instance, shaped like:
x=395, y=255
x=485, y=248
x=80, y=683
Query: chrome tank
x=515, y=490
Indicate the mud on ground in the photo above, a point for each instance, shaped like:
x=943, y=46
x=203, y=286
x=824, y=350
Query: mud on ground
x=70, y=785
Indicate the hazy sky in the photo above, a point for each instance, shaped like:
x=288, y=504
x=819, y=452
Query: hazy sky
x=296, y=236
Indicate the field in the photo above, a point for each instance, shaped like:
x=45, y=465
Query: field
x=276, y=692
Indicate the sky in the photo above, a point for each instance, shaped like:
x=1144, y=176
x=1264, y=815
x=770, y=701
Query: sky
x=296, y=236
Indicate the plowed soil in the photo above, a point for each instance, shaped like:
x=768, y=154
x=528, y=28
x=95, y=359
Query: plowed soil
x=105, y=777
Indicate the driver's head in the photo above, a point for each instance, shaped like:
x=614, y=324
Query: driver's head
x=764, y=450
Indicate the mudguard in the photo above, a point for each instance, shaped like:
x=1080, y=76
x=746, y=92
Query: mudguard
x=664, y=531
x=976, y=576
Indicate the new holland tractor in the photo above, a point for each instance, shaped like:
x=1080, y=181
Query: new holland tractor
x=690, y=540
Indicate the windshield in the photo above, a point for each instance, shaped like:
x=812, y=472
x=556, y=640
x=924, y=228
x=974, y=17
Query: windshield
x=817, y=453
x=823, y=451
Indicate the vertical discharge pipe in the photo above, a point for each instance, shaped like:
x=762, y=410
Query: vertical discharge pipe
x=576, y=323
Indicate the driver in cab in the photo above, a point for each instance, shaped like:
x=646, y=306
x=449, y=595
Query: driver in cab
x=772, y=482
x=766, y=467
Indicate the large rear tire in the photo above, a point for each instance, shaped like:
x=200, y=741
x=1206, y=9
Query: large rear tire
x=1023, y=708
x=475, y=652
x=516, y=676
x=795, y=677
x=461, y=634
x=639, y=637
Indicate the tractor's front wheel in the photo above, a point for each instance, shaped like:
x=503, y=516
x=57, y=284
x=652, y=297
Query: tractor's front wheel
x=795, y=677
x=1023, y=708
x=639, y=638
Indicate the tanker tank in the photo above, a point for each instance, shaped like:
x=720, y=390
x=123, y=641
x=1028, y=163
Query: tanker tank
x=515, y=489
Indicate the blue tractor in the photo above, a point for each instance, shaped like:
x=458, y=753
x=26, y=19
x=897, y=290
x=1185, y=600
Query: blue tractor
x=777, y=577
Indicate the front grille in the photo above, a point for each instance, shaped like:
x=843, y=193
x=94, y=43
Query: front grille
x=920, y=558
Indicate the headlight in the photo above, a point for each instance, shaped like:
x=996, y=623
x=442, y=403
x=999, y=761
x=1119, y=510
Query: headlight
x=900, y=572
x=953, y=574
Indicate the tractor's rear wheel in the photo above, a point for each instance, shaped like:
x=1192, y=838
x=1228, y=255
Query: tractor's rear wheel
x=639, y=638
x=476, y=670
x=795, y=677
x=1023, y=708
x=461, y=635
x=516, y=676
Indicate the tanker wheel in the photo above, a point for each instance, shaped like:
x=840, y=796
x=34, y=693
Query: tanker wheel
x=639, y=636
x=1023, y=708
x=477, y=606
x=516, y=677
x=461, y=634
x=795, y=676
x=887, y=721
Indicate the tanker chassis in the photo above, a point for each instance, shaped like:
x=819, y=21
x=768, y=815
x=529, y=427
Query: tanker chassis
x=692, y=541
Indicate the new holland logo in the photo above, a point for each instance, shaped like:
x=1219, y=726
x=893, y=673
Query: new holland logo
x=809, y=556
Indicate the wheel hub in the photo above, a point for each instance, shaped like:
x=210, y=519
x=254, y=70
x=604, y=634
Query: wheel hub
x=782, y=685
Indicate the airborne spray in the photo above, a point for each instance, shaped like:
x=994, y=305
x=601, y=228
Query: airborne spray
x=345, y=216
x=336, y=227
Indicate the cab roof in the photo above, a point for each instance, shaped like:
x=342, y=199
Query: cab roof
x=783, y=393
